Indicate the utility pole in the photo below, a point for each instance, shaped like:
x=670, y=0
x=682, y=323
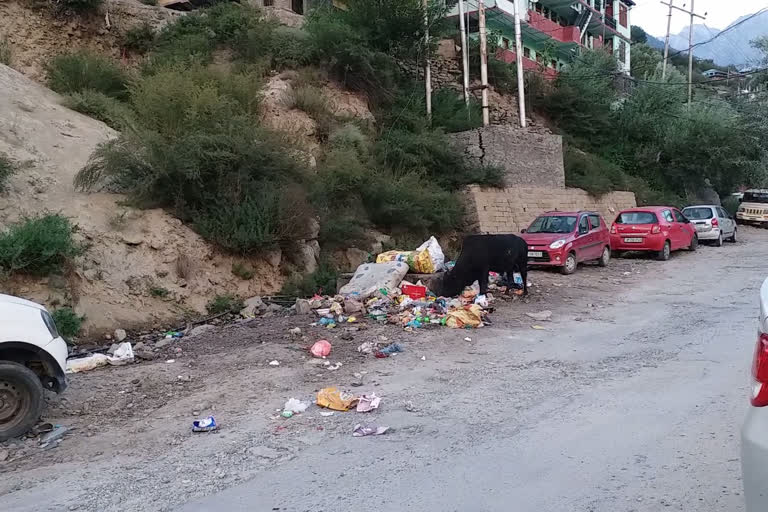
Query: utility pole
x=519, y=59
x=666, y=41
x=483, y=61
x=690, y=43
x=427, y=63
x=464, y=52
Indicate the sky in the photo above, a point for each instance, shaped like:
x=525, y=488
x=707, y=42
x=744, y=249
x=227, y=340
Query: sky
x=652, y=15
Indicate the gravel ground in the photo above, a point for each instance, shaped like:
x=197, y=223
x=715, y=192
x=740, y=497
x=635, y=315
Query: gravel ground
x=629, y=399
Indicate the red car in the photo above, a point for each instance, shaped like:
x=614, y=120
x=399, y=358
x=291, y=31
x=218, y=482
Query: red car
x=565, y=239
x=658, y=229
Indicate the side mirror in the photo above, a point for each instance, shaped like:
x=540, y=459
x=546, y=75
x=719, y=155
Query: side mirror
x=523, y=230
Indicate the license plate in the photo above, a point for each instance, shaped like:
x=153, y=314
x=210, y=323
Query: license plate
x=633, y=240
x=535, y=254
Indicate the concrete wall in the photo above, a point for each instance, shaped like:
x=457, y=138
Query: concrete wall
x=509, y=210
x=529, y=158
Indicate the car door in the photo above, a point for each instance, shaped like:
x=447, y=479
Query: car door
x=729, y=225
x=672, y=228
x=581, y=243
x=684, y=228
x=598, y=232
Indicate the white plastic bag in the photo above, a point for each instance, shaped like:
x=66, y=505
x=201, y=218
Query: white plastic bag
x=435, y=253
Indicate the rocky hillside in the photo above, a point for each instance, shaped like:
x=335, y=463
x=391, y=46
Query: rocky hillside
x=140, y=265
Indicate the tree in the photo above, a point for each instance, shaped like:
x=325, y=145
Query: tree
x=645, y=60
x=638, y=35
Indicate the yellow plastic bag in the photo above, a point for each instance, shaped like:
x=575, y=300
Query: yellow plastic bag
x=337, y=400
x=418, y=261
x=460, y=318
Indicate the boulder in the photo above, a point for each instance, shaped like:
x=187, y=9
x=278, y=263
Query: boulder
x=200, y=329
x=253, y=306
x=303, y=307
x=120, y=335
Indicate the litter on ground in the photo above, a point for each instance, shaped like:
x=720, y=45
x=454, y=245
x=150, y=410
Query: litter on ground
x=369, y=430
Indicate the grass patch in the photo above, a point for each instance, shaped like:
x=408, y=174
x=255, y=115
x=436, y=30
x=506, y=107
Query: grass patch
x=98, y=105
x=6, y=52
x=68, y=323
x=322, y=281
x=242, y=271
x=226, y=303
x=78, y=71
x=38, y=245
x=7, y=169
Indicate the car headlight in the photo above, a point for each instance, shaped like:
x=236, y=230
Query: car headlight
x=49, y=323
x=557, y=244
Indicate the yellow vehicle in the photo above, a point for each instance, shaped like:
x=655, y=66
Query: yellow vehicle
x=753, y=207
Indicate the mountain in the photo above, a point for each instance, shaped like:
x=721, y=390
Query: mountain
x=655, y=42
x=732, y=47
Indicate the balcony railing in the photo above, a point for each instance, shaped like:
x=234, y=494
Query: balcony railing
x=510, y=57
x=569, y=34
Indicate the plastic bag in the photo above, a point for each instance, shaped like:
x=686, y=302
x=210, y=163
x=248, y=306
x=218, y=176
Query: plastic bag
x=334, y=399
x=418, y=261
x=468, y=317
x=436, y=256
x=321, y=348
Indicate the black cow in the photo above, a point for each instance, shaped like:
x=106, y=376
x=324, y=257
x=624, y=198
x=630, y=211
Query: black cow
x=481, y=254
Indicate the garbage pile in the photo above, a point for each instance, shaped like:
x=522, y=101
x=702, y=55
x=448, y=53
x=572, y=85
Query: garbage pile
x=379, y=291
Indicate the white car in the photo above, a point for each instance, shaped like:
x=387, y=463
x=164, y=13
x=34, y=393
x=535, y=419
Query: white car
x=33, y=357
x=712, y=223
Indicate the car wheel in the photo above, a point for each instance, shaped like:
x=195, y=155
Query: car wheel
x=733, y=237
x=569, y=267
x=666, y=252
x=21, y=399
x=605, y=258
x=695, y=242
x=719, y=241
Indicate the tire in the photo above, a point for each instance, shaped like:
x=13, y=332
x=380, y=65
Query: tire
x=21, y=399
x=695, y=243
x=719, y=241
x=732, y=239
x=665, y=253
x=569, y=267
x=605, y=258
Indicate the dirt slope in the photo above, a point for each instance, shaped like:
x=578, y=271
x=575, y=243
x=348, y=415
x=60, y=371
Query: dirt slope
x=129, y=251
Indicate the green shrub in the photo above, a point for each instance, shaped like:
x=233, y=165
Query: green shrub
x=349, y=136
x=75, y=72
x=311, y=100
x=227, y=303
x=242, y=271
x=38, y=245
x=68, y=323
x=731, y=205
x=139, y=39
x=6, y=52
x=7, y=169
x=450, y=112
x=159, y=292
x=97, y=105
x=321, y=281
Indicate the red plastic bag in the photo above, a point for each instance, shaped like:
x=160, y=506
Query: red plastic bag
x=321, y=348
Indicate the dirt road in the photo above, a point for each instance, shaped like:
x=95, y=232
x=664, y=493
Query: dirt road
x=629, y=400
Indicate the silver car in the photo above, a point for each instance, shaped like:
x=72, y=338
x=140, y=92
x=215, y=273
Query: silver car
x=754, y=433
x=712, y=223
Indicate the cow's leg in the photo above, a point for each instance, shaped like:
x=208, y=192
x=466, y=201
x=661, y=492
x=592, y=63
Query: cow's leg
x=483, y=281
x=524, y=273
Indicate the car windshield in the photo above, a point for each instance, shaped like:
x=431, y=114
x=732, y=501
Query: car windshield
x=698, y=213
x=637, y=218
x=755, y=197
x=553, y=224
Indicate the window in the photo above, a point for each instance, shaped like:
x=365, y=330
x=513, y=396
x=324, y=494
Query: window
x=622, y=51
x=755, y=197
x=668, y=216
x=553, y=63
x=723, y=214
x=638, y=218
x=505, y=43
x=297, y=6
x=553, y=224
x=526, y=52
x=679, y=217
x=594, y=221
x=539, y=58
x=623, y=15
x=698, y=213
x=584, y=224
